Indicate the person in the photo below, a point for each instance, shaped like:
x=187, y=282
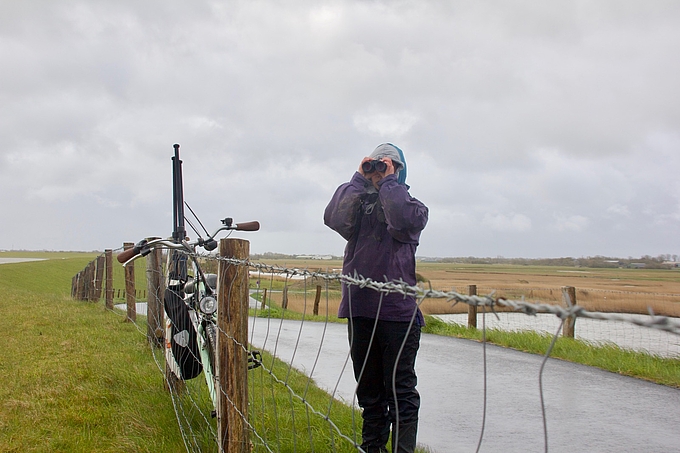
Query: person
x=382, y=223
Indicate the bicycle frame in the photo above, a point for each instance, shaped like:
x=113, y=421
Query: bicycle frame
x=198, y=297
x=189, y=314
x=190, y=305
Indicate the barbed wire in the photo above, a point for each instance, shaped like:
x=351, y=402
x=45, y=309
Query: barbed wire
x=594, y=290
x=664, y=323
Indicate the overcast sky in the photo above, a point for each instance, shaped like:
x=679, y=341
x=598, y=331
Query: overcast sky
x=530, y=129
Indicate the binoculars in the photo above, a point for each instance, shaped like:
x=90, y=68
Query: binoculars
x=374, y=165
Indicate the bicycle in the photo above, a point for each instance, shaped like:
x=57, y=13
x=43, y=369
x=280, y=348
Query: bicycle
x=190, y=304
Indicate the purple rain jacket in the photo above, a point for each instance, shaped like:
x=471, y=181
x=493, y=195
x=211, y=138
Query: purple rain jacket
x=382, y=229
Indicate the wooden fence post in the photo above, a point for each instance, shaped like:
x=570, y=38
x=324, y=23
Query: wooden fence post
x=264, y=300
x=91, y=273
x=74, y=286
x=472, y=309
x=74, y=281
x=154, y=301
x=99, y=277
x=317, y=299
x=284, y=300
x=82, y=285
x=76, y=292
x=108, y=290
x=232, y=341
x=87, y=282
x=130, y=287
x=569, y=299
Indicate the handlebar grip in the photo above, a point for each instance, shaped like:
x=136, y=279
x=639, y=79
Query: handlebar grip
x=127, y=254
x=248, y=226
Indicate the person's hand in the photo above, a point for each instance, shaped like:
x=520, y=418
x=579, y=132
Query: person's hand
x=361, y=165
x=390, y=166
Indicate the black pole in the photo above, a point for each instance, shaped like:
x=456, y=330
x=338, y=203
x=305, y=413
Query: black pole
x=179, y=261
x=178, y=231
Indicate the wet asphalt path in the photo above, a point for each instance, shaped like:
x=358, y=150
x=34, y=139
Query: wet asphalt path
x=588, y=410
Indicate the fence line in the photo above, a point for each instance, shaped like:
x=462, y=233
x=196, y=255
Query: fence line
x=399, y=286
x=97, y=279
x=193, y=406
x=87, y=284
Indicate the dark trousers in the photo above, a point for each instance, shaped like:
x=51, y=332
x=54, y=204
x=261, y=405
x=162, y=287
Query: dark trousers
x=386, y=379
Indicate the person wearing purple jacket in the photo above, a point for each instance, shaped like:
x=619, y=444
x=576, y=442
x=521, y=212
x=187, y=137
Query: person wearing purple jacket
x=382, y=223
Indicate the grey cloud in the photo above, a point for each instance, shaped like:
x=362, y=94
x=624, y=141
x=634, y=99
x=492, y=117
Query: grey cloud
x=529, y=129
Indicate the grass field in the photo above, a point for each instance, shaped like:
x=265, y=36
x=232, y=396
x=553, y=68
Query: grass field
x=608, y=290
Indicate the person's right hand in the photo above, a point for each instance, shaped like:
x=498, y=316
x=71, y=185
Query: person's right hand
x=361, y=170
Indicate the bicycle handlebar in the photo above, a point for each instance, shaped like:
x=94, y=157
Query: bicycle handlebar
x=144, y=246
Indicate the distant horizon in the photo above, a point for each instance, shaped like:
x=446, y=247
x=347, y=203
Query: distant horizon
x=663, y=257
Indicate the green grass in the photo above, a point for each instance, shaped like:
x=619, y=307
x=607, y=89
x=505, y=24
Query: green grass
x=608, y=357
x=55, y=276
x=77, y=378
x=275, y=311
x=47, y=255
x=290, y=422
x=43, y=277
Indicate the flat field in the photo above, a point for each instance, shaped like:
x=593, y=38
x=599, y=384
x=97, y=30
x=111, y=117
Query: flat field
x=608, y=290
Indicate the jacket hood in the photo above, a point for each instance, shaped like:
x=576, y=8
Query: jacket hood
x=397, y=156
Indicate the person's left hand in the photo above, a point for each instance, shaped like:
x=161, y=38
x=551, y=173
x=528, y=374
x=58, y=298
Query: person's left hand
x=390, y=167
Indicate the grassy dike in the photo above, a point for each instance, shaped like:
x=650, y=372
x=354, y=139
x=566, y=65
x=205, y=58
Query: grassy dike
x=75, y=377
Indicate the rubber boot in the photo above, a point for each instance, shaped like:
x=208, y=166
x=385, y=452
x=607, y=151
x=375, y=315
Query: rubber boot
x=375, y=434
x=375, y=449
x=406, y=442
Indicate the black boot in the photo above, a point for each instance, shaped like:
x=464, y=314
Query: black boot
x=375, y=434
x=405, y=437
x=375, y=449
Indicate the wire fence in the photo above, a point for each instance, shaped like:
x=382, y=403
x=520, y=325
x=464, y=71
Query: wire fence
x=285, y=409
